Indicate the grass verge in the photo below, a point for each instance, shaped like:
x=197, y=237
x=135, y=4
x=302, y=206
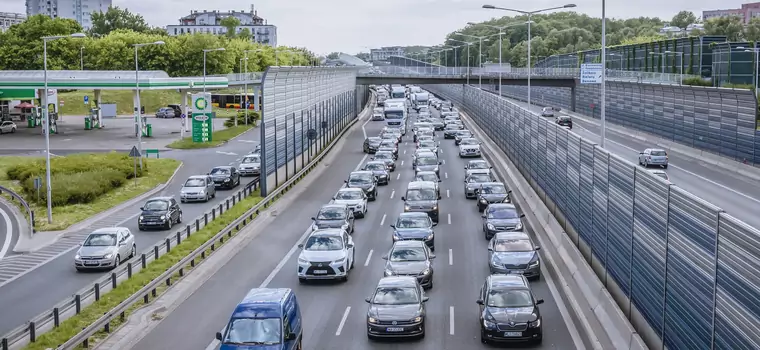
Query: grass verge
x=159, y=171
x=218, y=138
x=73, y=102
x=108, y=301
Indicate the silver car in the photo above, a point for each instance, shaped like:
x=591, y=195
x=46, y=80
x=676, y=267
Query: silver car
x=353, y=198
x=653, y=156
x=250, y=165
x=547, y=112
x=198, y=188
x=105, y=248
x=514, y=253
x=7, y=127
x=472, y=184
x=478, y=166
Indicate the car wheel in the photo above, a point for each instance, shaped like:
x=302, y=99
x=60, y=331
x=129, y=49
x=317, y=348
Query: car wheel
x=665, y=166
x=13, y=130
x=207, y=198
x=301, y=280
x=179, y=218
x=483, y=338
x=353, y=260
x=133, y=252
x=486, y=236
x=169, y=224
x=118, y=261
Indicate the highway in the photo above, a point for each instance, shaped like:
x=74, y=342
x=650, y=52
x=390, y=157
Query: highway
x=48, y=276
x=9, y=229
x=334, y=314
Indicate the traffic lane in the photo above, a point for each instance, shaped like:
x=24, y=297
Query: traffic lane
x=256, y=262
x=9, y=230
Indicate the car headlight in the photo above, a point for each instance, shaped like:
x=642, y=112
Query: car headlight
x=202, y=192
x=488, y=324
x=535, y=324
x=426, y=272
x=340, y=261
x=227, y=180
x=314, y=227
x=389, y=272
x=302, y=260
x=435, y=207
x=108, y=256
x=77, y=257
x=141, y=217
x=534, y=264
x=371, y=320
x=163, y=217
x=418, y=319
x=518, y=226
x=430, y=236
x=490, y=226
x=407, y=208
x=484, y=201
x=345, y=226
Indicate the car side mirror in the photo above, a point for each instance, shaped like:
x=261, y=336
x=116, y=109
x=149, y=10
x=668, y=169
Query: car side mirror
x=345, y=181
x=538, y=248
x=290, y=336
x=208, y=173
x=522, y=216
x=350, y=245
x=392, y=225
x=435, y=224
x=425, y=299
x=403, y=199
x=483, y=215
x=219, y=336
x=368, y=299
x=141, y=208
x=440, y=163
x=300, y=246
x=641, y=153
x=313, y=219
x=439, y=197
x=539, y=301
x=439, y=180
x=490, y=167
x=385, y=257
x=432, y=256
x=333, y=197
x=479, y=301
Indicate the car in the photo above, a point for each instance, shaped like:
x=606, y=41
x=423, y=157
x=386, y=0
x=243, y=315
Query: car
x=422, y=196
x=197, y=188
x=509, y=311
x=660, y=173
x=388, y=158
x=423, y=110
x=159, y=212
x=469, y=147
x=378, y=116
x=371, y=144
x=391, y=145
x=492, y=192
x=514, y=253
x=450, y=131
x=411, y=258
x=427, y=162
x=428, y=144
x=460, y=135
x=653, y=156
x=414, y=226
x=547, y=112
x=389, y=136
x=396, y=309
x=335, y=215
x=425, y=138
x=250, y=165
x=165, y=112
x=437, y=124
x=7, y=127
x=226, y=177
x=424, y=134
x=473, y=182
x=564, y=120
x=327, y=254
x=256, y=150
x=269, y=316
x=501, y=217
x=366, y=181
x=354, y=199
x=380, y=169
x=478, y=166
x=105, y=248
x=429, y=176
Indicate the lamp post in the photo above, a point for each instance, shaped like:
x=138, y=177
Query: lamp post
x=480, y=55
x=468, y=44
x=501, y=36
x=245, y=82
x=46, y=119
x=138, y=115
x=530, y=15
x=81, y=58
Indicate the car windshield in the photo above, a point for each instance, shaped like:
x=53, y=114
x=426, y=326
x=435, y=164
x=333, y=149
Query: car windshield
x=469, y=142
x=394, y=114
x=564, y=118
x=427, y=144
x=248, y=160
x=502, y=213
x=323, y=243
x=100, y=240
x=220, y=171
x=421, y=194
x=463, y=133
x=375, y=140
x=426, y=177
x=375, y=166
x=452, y=127
x=493, y=189
x=512, y=245
x=427, y=161
x=195, y=183
x=383, y=156
x=348, y=195
x=156, y=205
x=331, y=214
x=509, y=298
x=408, y=254
x=477, y=165
x=659, y=153
x=476, y=178
x=413, y=222
x=388, y=143
x=359, y=179
x=254, y=331
x=395, y=296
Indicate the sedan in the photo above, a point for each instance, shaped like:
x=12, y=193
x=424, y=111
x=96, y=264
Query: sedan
x=460, y=135
x=478, y=166
x=366, y=181
x=415, y=226
x=653, y=156
x=547, y=112
x=7, y=127
x=509, y=311
x=225, y=176
x=429, y=176
x=380, y=170
x=327, y=254
x=336, y=215
x=514, y=253
x=105, y=248
x=387, y=158
x=564, y=120
x=393, y=145
x=354, y=199
x=469, y=147
x=473, y=182
x=501, y=217
x=396, y=309
x=411, y=258
x=428, y=144
x=371, y=144
x=494, y=192
x=250, y=165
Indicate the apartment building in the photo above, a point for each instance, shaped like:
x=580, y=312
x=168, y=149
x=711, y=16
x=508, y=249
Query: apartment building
x=210, y=22
x=8, y=19
x=79, y=10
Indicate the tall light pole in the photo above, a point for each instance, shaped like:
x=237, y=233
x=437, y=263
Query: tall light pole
x=81, y=58
x=206, y=51
x=46, y=119
x=245, y=82
x=138, y=108
x=501, y=37
x=480, y=55
x=530, y=15
x=468, y=57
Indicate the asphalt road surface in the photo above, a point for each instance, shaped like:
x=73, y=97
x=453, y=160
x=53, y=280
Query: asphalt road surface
x=9, y=230
x=39, y=289
x=334, y=314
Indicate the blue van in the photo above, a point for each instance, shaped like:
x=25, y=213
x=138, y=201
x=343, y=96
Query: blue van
x=266, y=319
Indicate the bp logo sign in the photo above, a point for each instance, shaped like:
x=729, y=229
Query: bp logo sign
x=201, y=118
x=201, y=104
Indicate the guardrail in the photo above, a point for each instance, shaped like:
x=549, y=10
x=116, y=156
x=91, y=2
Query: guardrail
x=144, y=294
x=52, y=318
x=23, y=202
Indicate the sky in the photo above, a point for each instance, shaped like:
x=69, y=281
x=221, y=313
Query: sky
x=353, y=26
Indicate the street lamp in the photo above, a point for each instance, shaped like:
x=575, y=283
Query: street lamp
x=46, y=119
x=245, y=83
x=480, y=54
x=81, y=57
x=530, y=15
x=137, y=90
x=468, y=57
x=205, y=51
x=501, y=35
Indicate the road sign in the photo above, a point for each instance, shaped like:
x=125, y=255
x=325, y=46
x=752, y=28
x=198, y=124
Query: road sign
x=202, y=118
x=311, y=134
x=87, y=100
x=134, y=153
x=591, y=73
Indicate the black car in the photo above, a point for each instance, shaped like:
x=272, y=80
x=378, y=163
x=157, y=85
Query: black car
x=414, y=226
x=371, y=144
x=564, y=120
x=380, y=169
x=501, y=217
x=388, y=158
x=334, y=216
x=450, y=131
x=391, y=145
x=509, y=311
x=411, y=258
x=225, y=176
x=422, y=196
x=460, y=135
x=159, y=212
x=366, y=181
x=396, y=309
x=492, y=192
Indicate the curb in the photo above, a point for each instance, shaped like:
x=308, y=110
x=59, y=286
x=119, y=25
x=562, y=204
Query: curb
x=21, y=221
x=217, y=146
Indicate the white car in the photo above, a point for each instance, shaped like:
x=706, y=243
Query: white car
x=378, y=116
x=327, y=254
x=469, y=147
x=250, y=165
x=477, y=166
x=353, y=198
x=547, y=112
x=661, y=173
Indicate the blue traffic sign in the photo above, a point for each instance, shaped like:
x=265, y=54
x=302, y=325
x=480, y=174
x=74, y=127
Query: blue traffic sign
x=87, y=100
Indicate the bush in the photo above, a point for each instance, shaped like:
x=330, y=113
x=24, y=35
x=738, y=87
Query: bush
x=697, y=81
x=253, y=119
x=76, y=163
x=78, y=188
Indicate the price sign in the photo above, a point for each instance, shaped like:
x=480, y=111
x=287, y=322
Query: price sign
x=202, y=118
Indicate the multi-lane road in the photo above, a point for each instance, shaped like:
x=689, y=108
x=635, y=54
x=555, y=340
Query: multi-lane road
x=9, y=229
x=334, y=314
x=44, y=278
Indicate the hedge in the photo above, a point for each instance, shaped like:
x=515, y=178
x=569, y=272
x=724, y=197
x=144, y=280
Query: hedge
x=253, y=118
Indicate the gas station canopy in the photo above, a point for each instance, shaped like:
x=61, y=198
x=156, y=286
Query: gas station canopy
x=103, y=80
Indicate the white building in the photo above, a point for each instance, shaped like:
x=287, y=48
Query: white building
x=79, y=10
x=8, y=19
x=210, y=22
x=383, y=53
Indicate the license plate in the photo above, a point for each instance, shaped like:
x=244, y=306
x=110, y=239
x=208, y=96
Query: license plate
x=513, y=334
x=320, y=272
x=91, y=263
x=516, y=272
x=395, y=329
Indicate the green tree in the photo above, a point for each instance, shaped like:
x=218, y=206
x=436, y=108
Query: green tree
x=231, y=24
x=731, y=27
x=245, y=34
x=117, y=18
x=683, y=19
x=21, y=44
x=752, y=30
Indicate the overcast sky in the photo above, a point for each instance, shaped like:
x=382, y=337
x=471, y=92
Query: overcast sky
x=353, y=25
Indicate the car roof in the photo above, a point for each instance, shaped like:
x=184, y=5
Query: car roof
x=374, y=138
x=361, y=172
x=412, y=214
x=222, y=167
x=658, y=171
x=383, y=152
x=397, y=281
x=656, y=149
x=507, y=281
x=113, y=230
x=375, y=162
x=163, y=198
x=334, y=206
x=420, y=184
x=405, y=244
x=502, y=206
x=327, y=232
x=427, y=173
x=477, y=161
x=494, y=183
x=350, y=189
x=427, y=154
x=512, y=235
x=262, y=303
x=197, y=177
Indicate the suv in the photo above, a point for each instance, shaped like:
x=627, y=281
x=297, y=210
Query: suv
x=160, y=212
x=509, y=311
x=564, y=120
x=422, y=196
x=198, y=188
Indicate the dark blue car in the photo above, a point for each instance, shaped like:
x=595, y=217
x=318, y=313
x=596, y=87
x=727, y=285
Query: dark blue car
x=266, y=319
x=414, y=226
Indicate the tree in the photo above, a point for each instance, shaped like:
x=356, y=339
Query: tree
x=731, y=27
x=333, y=55
x=752, y=30
x=116, y=18
x=230, y=23
x=683, y=19
x=21, y=44
x=245, y=34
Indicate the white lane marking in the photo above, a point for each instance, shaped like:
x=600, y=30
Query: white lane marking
x=443, y=162
x=402, y=163
x=398, y=176
x=451, y=320
x=343, y=321
x=8, y=233
x=227, y=153
x=441, y=150
x=369, y=257
x=449, y=215
x=446, y=175
x=451, y=257
x=448, y=194
x=248, y=141
x=382, y=221
x=404, y=151
x=393, y=193
x=66, y=140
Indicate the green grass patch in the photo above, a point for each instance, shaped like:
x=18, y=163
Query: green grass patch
x=108, y=301
x=83, y=184
x=218, y=138
x=73, y=102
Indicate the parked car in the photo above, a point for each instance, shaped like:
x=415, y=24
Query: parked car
x=7, y=127
x=165, y=112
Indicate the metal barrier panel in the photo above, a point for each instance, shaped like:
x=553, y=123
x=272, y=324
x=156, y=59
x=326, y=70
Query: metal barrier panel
x=601, y=194
x=586, y=193
x=573, y=176
x=620, y=195
x=561, y=170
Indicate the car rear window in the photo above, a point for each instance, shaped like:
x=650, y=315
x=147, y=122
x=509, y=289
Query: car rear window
x=659, y=153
